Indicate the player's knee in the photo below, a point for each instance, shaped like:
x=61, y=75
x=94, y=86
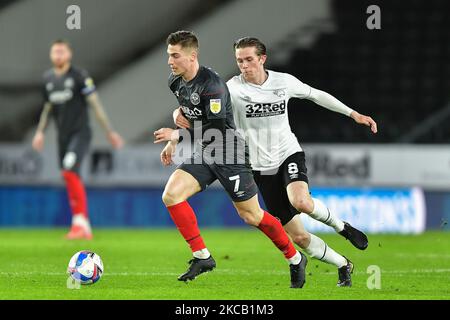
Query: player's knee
x=302, y=204
x=170, y=198
x=251, y=221
x=250, y=218
x=301, y=239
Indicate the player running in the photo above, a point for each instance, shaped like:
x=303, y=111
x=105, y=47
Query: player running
x=259, y=98
x=205, y=100
x=67, y=91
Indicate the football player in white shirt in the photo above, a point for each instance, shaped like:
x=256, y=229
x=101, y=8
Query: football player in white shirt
x=259, y=98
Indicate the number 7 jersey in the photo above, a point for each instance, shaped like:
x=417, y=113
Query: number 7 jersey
x=260, y=112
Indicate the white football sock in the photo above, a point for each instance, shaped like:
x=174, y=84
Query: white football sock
x=80, y=220
x=296, y=259
x=322, y=214
x=318, y=249
x=202, y=254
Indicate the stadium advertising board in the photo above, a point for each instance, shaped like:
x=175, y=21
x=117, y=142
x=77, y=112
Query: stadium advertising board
x=373, y=210
x=379, y=165
x=328, y=165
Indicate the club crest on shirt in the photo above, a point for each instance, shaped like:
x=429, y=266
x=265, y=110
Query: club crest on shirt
x=215, y=105
x=68, y=83
x=279, y=93
x=195, y=98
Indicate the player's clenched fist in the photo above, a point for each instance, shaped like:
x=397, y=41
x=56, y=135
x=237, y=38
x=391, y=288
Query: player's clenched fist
x=115, y=139
x=38, y=141
x=180, y=120
x=167, y=153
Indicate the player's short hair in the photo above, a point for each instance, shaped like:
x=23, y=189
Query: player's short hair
x=187, y=39
x=62, y=41
x=251, y=42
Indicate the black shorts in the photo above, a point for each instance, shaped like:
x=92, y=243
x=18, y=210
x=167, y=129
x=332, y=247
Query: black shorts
x=237, y=179
x=273, y=186
x=72, y=150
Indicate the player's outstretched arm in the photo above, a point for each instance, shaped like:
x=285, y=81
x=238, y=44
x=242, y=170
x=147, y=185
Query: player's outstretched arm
x=114, y=138
x=326, y=100
x=39, y=137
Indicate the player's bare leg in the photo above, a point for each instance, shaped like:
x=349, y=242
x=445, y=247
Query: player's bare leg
x=300, y=198
x=179, y=188
x=252, y=214
x=318, y=249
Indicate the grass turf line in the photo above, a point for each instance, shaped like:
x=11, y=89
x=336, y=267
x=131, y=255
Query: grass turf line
x=145, y=264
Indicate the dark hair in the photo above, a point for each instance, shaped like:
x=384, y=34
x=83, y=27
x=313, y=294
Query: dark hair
x=187, y=39
x=250, y=42
x=61, y=41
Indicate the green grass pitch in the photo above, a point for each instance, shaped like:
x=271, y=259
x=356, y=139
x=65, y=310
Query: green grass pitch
x=145, y=264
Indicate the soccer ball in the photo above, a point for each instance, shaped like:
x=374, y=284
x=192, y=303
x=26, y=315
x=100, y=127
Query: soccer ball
x=85, y=267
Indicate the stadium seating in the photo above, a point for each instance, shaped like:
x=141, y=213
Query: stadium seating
x=376, y=72
x=5, y=3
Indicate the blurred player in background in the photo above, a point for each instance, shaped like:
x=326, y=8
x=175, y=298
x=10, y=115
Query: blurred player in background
x=67, y=91
x=205, y=100
x=259, y=98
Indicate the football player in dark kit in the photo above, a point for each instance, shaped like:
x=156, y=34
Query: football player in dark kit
x=205, y=101
x=67, y=92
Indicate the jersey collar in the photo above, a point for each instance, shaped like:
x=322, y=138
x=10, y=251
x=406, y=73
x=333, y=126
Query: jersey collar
x=265, y=84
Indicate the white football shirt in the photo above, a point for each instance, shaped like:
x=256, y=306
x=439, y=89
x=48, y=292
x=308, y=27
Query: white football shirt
x=260, y=111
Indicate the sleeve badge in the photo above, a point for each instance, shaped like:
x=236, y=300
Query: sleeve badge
x=215, y=105
x=89, y=83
